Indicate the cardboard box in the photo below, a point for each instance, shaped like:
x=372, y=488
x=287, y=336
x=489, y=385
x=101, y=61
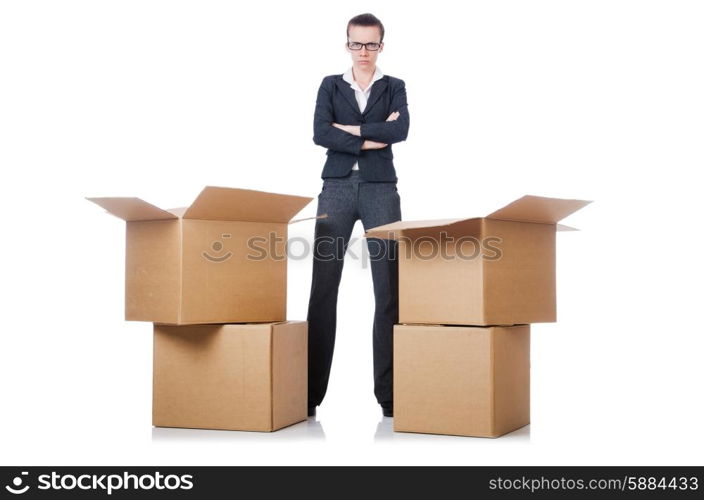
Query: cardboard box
x=247, y=377
x=493, y=270
x=465, y=381
x=220, y=260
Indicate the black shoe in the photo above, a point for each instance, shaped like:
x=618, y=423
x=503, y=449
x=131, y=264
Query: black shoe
x=311, y=411
x=387, y=410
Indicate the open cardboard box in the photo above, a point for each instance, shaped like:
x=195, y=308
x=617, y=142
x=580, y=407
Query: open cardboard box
x=220, y=260
x=493, y=270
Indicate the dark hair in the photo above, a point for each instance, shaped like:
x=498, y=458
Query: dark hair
x=366, y=20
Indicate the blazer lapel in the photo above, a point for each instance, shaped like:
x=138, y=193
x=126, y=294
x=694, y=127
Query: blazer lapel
x=378, y=88
x=348, y=93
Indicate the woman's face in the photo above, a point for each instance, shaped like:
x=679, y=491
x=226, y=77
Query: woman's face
x=363, y=58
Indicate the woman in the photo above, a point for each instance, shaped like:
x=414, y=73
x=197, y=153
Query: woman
x=358, y=115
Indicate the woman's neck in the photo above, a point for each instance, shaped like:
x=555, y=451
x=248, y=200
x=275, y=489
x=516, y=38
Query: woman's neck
x=363, y=77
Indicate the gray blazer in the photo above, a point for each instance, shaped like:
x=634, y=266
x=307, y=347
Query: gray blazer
x=336, y=103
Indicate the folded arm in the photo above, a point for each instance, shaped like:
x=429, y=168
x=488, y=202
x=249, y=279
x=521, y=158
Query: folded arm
x=390, y=131
x=324, y=133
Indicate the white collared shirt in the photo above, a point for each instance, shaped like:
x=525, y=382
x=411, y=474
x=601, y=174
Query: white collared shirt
x=362, y=96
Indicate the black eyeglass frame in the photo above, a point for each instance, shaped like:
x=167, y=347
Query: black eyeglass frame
x=365, y=45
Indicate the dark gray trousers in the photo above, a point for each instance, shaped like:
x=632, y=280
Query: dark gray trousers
x=346, y=200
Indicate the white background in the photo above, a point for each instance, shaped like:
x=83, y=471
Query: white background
x=597, y=100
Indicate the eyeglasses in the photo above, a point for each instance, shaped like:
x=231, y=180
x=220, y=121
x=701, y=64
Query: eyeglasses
x=358, y=46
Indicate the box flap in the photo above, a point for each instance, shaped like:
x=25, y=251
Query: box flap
x=132, y=209
x=396, y=229
x=222, y=203
x=178, y=211
x=538, y=209
x=322, y=216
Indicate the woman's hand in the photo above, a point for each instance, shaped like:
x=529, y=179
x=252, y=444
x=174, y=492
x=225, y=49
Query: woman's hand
x=350, y=129
x=373, y=145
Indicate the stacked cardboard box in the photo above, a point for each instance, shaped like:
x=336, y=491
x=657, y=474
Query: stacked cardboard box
x=468, y=291
x=212, y=279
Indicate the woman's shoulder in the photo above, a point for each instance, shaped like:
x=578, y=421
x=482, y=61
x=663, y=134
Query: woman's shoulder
x=332, y=78
x=394, y=81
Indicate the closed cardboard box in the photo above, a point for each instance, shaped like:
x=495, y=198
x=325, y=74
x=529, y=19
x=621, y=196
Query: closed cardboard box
x=461, y=380
x=247, y=377
x=493, y=270
x=220, y=260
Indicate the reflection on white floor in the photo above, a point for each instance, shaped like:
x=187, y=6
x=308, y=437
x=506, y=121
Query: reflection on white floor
x=313, y=430
x=303, y=431
x=385, y=432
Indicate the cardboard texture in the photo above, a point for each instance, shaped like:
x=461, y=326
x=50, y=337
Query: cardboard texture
x=247, y=377
x=220, y=260
x=464, y=381
x=493, y=270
